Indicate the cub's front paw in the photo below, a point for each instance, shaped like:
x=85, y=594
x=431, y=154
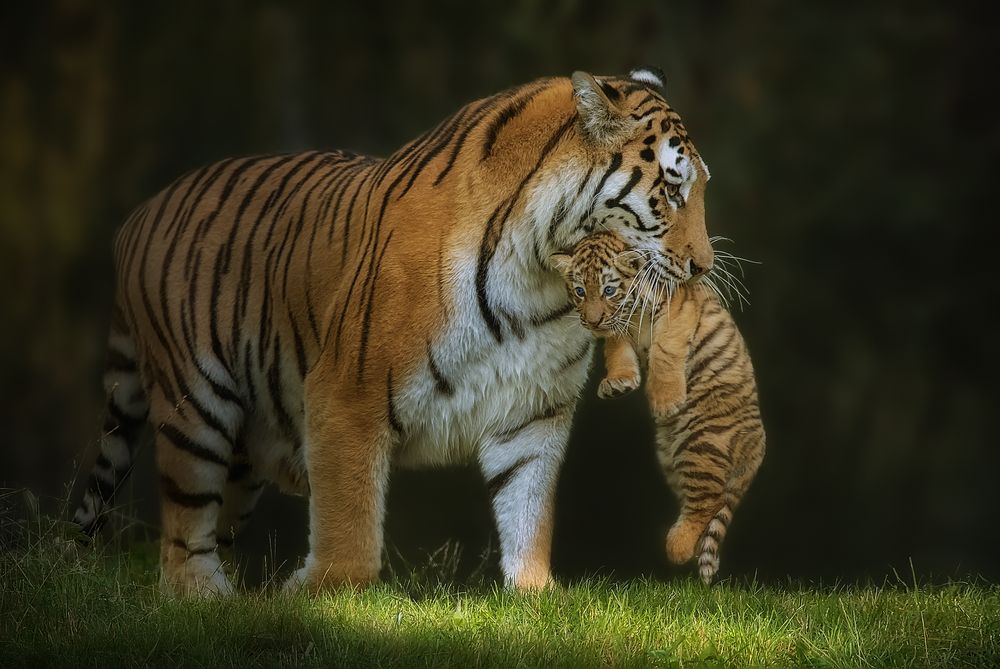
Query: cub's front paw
x=616, y=386
x=665, y=402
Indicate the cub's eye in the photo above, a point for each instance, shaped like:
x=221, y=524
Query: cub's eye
x=580, y=292
x=610, y=290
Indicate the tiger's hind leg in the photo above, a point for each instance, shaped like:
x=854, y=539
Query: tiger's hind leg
x=243, y=490
x=194, y=456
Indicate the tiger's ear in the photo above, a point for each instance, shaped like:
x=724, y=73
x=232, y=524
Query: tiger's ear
x=562, y=262
x=648, y=75
x=602, y=122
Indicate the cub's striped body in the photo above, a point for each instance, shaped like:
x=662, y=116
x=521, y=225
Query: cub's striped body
x=310, y=319
x=700, y=383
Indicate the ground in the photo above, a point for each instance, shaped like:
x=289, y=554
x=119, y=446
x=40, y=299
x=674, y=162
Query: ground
x=65, y=606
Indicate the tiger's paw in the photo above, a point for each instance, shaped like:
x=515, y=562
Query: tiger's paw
x=616, y=386
x=197, y=576
x=664, y=402
x=314, y=578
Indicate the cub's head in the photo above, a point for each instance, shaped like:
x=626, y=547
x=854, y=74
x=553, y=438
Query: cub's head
x=598, y=274
x=652, y=178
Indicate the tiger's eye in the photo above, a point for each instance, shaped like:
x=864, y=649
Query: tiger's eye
x=610, y=290
x=580, y=292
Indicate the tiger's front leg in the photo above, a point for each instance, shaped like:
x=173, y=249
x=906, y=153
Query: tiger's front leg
x=348, y=446
x=521, y=468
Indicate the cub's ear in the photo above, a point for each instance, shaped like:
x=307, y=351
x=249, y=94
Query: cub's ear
x=602, y=122
x=562, y=262
x=628, y=264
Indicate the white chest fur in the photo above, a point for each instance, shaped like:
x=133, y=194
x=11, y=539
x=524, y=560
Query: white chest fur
x=540, y=364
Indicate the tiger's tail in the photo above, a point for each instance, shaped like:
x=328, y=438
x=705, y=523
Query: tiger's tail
x=124, y=419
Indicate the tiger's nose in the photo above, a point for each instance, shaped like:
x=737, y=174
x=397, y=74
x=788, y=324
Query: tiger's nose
x=696, y=270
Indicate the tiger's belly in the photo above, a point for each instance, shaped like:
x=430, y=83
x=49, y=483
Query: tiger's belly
x=487, y=394
x=446, y=424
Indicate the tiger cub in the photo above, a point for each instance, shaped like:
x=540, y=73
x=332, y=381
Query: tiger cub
x=700, y=385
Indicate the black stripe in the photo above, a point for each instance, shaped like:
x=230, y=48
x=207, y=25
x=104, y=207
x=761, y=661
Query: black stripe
x=703, y=448
x=104, y=463
x=544, y=319
x=300, y=349
x=551, y=412
x=239, y=471
x=326, y=183
x=191, y=500
x=560, y=215
x=494, y=232
x=627, y=188
x=188, y=445
x=220, y=391
x=333, y=194
x=442, y=384
x=697, y=497
x=366, y=321
x=119, y=362
x=478, y=115
x=274, y=389
x=105, y=490
x=180, y=543
x=506, y=115
x=124, y=426
x=616, y=162
x=449, y=130
x=576, y=357
x=515, y=324
x=497, y=483
x=394, y=422
x=704, y=476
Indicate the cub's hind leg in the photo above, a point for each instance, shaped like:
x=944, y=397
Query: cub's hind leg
x=748, y=452
x=696, y=472
x=194, y=448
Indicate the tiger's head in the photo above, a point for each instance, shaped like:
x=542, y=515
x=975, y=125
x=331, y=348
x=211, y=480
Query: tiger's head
x=653, y=191
x=598, y=275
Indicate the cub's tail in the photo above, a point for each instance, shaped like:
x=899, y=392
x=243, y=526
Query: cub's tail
x=124, y=419
x=711, y=540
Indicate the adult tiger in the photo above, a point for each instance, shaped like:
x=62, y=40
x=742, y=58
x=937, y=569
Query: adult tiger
x=310, y=319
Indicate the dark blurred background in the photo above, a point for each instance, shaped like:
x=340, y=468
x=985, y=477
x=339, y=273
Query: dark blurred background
x=853, y=153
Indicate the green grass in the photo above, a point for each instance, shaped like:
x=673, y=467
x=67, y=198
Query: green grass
x=101, y=608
